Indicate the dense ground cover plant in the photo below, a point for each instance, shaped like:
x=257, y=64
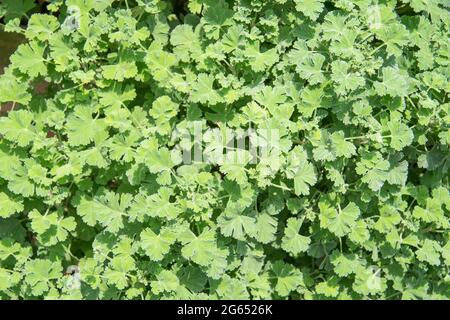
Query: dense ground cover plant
x=351, y=203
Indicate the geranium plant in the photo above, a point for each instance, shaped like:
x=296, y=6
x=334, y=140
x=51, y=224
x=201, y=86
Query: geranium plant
x=226, y=149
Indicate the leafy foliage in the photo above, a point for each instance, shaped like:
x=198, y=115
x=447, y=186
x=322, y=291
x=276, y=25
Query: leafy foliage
x=352, y=204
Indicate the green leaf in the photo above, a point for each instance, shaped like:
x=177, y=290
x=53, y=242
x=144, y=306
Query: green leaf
x=344, y=265
x=166, y=280
x=304, y=178
x=369, y=281
x=163, y=110
x=13, y=91
x=237, y=225
x=160, y=62
x=266, y=227
x=311, y=68
x=343, y=148
x=328, y=288
x=302, y=171
x=395, y=36
x=394, y=83
x=310, y=8
x=8, y=279
x=401, y=135
x=17, y=8
x=186, y=42
x=51, y=228
x=340, y=222
x=40, y=275
x=120, y=71
x=117, y=98
x=156, y=246
x=29, y=59
x=429, y=252
x=41, y=27
x=108, y=209
x=293, y=242
x=82, y=128
x=18, y=127
x=288, y=278
x=260, y=61
x=9, y=206
x=216, y=17
x=203, y=91
x=117, y=273
x=346, y=81
x=198, y=248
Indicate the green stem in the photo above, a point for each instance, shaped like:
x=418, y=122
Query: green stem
x=367, y=37
x=281, y=187
x=376, y=49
